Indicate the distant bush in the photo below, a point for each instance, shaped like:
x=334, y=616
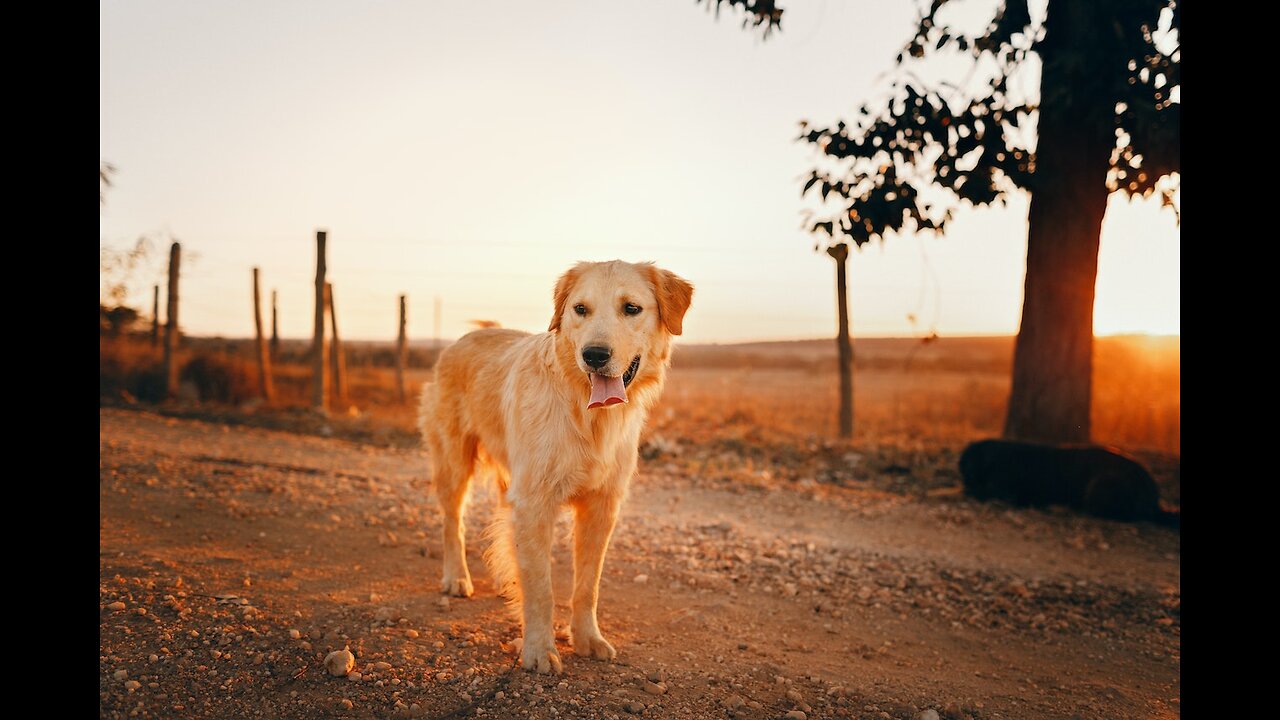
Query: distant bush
x=220, y=378
x=130, y=366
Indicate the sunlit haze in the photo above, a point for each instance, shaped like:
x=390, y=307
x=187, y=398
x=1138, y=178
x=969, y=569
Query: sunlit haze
x=473, y=151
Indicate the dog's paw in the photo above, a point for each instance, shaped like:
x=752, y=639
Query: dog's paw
x=457, y=587
x=542, y=658
x=593, y=645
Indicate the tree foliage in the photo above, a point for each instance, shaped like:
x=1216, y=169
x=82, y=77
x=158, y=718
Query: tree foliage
x=975, y=140
x=975, y=145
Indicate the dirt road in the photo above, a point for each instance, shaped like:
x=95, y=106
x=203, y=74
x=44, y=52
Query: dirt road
x=233, y=560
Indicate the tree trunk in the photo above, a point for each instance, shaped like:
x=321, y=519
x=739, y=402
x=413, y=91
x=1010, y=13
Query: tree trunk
x=319, y=368
x=1053, y=358
x=844, y=348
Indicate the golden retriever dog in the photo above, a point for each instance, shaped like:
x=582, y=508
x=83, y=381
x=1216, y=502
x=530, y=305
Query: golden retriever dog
x=556, y=418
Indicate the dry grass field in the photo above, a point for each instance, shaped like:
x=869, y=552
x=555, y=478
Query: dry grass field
x=906, y=394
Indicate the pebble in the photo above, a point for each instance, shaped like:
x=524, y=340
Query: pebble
x=794, y=695
x=796, y=715
x=117, y=605
x=411, y=633
x=929, y=714
x=355, y=677
x=382, y=666
x=340, y=662
x=443, y=603
x=347, y=703
x=120, y=675
x=153, y=657
x=633, y=707
x=295, y=634
x=132, y=685
x=658, y=676
x=653, y=688
x=733, y=702
x=641, y=578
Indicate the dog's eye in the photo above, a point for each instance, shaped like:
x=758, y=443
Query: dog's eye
x=580, y=309
x=631, y=309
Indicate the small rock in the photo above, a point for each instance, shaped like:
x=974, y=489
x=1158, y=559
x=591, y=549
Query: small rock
x=654, y=688
x=120, y=675
x=132, y=685
x=658, y=676
x=382, y=666
x=733, y=702
x=794, y=695
x=443, y=602
x=355, y=677
x=153, y=657
x=116, y=606
x=633, y=707
x=795, y=715
x=641, y=578
x=929, y=714
x=340, y=662
x=295, y=634
x=347, y=703
x=411, y=633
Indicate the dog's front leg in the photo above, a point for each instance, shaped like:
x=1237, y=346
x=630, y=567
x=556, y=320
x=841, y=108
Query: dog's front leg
x=595, y=515
x=532, y=525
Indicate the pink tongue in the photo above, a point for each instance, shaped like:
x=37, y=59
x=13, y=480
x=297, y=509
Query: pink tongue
x=606, y=391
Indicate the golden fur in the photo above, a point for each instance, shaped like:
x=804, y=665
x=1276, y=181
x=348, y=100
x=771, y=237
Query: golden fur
x=517, y=403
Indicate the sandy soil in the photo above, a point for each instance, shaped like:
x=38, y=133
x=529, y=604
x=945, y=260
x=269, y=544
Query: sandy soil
x=234, y=559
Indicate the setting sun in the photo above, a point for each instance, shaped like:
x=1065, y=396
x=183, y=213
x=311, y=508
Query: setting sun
x=1139, y=270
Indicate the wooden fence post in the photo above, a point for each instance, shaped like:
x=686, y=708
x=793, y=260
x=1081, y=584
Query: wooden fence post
x=171, y=325
x=318, y=360
x=155, y=317
x=265, y=385
x=337, y=360
x=275, y=330
x=401, y=348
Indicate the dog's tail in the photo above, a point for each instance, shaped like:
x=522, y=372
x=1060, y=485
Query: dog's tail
x=500, y=558
x=426, y=406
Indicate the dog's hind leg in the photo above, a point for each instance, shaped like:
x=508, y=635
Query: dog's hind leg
x=452, y=464
x=595, y=515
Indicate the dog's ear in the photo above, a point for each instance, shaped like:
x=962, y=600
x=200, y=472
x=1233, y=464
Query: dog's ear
x=674, y=295
x=563, y=286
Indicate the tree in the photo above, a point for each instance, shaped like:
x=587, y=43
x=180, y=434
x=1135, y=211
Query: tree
x=1105, y=118
x=115, y=320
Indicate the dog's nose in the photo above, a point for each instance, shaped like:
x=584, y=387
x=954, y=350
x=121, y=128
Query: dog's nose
x=596, y=356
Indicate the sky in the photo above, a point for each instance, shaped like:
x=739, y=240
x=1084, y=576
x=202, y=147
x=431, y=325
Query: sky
x=468, y=153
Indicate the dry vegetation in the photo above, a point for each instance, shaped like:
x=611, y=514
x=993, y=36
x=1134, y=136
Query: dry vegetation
x=907, y=395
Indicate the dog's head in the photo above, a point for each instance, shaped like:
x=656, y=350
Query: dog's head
x=616, y=319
